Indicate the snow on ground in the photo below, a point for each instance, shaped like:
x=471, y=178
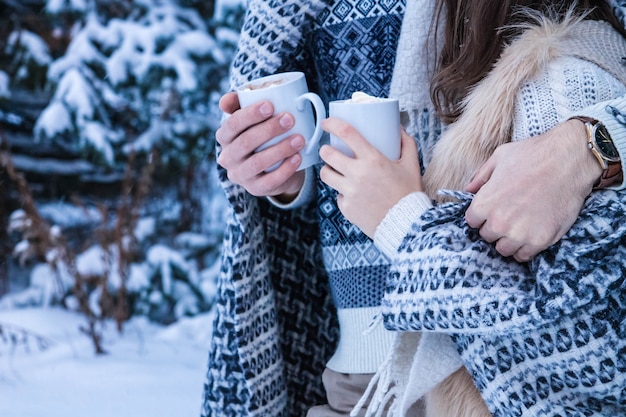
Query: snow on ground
x=149, y=370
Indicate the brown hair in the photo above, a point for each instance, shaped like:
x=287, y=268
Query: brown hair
x=475, y=31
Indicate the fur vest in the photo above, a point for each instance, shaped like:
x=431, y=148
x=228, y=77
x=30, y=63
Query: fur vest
x=488, y=111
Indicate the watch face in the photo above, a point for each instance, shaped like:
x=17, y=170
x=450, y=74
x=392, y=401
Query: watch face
x=604, y=143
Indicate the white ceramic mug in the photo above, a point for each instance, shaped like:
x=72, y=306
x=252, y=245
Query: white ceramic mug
x=378, y=121
x=288, y=92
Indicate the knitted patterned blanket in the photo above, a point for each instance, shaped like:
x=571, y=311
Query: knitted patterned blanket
x=275, y=326
x=543, y=339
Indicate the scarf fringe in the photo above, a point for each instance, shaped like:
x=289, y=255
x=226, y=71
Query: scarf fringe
x=380, y=390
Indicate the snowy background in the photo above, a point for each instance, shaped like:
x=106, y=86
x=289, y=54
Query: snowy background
x=150, y=370
x=110, y=212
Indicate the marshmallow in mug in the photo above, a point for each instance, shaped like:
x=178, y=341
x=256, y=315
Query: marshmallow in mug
x=376, y=118
x=361, y=97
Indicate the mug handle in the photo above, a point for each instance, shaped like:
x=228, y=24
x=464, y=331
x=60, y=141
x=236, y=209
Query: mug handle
x=320, y=114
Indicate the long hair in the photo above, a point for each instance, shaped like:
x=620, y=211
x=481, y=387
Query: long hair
x=475, y=32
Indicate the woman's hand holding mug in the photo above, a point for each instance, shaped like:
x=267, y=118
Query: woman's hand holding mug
x=368, y=182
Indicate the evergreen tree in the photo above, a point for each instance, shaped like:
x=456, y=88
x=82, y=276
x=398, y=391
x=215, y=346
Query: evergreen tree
x=137, y=76
x=138, y=79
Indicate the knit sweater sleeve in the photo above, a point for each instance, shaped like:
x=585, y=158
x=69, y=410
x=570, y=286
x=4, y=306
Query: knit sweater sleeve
x=304, y=197
x=445, y=278
x=392, y=228
x=273, y=39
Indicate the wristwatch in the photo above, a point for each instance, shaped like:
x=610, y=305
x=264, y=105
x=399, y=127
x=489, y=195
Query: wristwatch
x=602, y=146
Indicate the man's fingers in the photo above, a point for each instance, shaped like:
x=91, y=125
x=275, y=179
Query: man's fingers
x=474, y=217
x=481, y=176
x=488, y=233
x=507, y=247
x=243, y=119
x=229, y=103
x=255, y=163
x=519, y=251
x=526, y=253
x=244, y=144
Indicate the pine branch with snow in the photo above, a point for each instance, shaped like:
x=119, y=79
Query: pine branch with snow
x=139, y=77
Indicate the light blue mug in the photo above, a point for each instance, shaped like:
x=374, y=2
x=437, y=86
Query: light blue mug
x=377, y=120
x=289, y=92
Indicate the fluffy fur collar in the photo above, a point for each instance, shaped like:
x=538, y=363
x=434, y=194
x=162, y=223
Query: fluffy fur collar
x=487, y=119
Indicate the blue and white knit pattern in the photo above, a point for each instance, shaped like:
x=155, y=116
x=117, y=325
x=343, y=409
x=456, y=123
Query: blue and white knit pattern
x=355, y=51
x=273, y=38
x=545, y=338
x=275, y=327
x=619, y=9
x=355, y=48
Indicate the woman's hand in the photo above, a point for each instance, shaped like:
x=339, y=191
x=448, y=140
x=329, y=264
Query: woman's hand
x=247, y=129
x=369, y=184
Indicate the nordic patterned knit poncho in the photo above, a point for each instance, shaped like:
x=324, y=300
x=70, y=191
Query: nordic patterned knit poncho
x=275, y=325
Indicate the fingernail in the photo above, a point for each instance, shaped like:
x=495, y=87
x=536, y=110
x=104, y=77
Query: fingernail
x=297, y=142
x=295, y=160
x=286, y=121
x=266, y=109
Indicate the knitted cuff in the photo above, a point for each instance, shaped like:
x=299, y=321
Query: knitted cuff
x=305, y=196
x=364, y=342
x=398, y=221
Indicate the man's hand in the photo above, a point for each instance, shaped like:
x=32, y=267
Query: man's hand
x=243, y=132
x=529, y=193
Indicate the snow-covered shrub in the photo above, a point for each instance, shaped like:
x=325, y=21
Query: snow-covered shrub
x=122, y=273
x=5, y=91
x=29, y=59
x=173, y=288
x=137, y=76
x=65, y=6
x=14, y=338
x=164, y=285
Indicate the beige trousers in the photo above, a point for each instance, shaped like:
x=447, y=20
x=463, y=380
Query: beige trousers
x=343, y=392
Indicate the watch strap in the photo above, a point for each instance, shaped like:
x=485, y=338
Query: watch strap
x=612, y=171
x=611, y=176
